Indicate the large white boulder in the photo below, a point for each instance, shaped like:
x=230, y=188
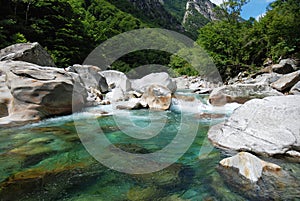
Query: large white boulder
x=264, y=126
x=162, y=79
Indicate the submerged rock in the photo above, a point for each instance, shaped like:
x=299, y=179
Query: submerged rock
x=28, y=52
x=249, y=166
x=268, y=126
x=157, y=97
x=240, y=93
x=256, y=179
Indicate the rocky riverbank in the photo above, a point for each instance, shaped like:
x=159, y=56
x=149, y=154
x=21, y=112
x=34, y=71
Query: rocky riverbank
x=266, y=124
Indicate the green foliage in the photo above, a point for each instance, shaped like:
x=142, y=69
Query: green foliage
x=182, y=67
x=194, y=22
x=176, y=8
x=237, y=45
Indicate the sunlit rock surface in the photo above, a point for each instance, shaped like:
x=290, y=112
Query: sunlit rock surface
x=249, y=165
x=28, y=52
x=264, y=126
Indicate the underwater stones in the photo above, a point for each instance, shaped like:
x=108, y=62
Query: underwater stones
x=249, y=165
x=264, y=126
x=157, y=97
x=240, y=93
x=142, y=194
x=51, y=178
x=174, y=176
x=210, y=116
x=28, y=52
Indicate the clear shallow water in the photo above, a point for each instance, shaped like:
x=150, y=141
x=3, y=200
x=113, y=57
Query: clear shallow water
x=47, y=160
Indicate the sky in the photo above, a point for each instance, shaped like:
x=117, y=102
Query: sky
x=255, y=8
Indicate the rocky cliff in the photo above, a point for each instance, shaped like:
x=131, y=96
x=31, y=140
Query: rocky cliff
x=197, y=14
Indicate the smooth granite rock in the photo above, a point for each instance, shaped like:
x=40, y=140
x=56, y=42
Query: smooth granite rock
x=37, y=92
x=249, y=165
x=266, y=126
x=117, y=79
x=28, y=52
x=240, y=93
x=255, y=179
x=162, y=79
x=90, y=77
x=157, y=97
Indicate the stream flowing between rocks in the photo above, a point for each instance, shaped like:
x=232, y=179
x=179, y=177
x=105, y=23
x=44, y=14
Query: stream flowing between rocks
x=47, y=160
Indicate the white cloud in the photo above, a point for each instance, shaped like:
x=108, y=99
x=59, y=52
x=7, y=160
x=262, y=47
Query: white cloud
x=260, y=16
x=218, y=2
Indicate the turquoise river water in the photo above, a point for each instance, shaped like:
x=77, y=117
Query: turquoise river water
x=47, y=160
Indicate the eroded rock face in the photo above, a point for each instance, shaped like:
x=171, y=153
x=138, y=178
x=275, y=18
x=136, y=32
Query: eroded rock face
x=287, y=81
x=90, y=77
x=264, y=126
x=37, y=92
x=5, y=96
x=28, y=52
x=162, y=79
x=157, y=97
x=117, y=79
x=240, y=93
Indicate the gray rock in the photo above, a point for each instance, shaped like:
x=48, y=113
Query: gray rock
x=263, y=79
x=287, y=81
x=90, y=77
x=117, y=79
x=157, y=97
x=38, y=92
x=162, y=79
x=240, y=93
x=115, y=95
x=5, y=97
x=133, y=103
x=296, y=89
x=293, y=62
x=181, y=82
x=28, y=52
x=267, y=126
x=249, y=165
x=283, y=68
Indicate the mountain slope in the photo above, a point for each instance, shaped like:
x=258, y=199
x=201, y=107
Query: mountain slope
x=151, y=12
x=198, y=13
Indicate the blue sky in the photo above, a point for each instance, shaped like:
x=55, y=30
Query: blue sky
x=254, y=8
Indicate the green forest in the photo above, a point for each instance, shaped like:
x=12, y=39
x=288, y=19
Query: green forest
x=71, y=29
